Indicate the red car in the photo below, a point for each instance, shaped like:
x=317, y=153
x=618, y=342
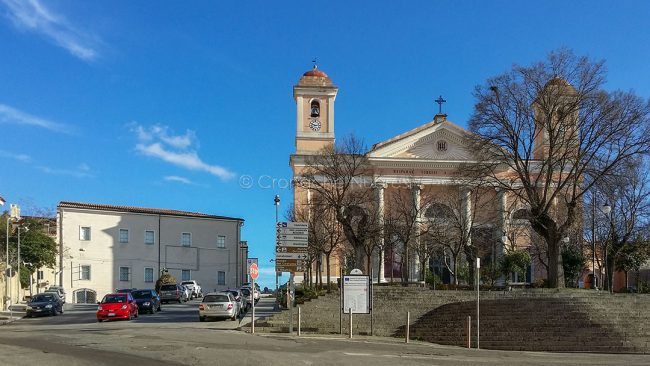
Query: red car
x=117, y=306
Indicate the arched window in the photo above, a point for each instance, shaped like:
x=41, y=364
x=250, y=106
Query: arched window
x=315, y=108
x=521, y=214
x=439, y=211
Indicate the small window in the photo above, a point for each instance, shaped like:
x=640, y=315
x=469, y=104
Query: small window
x=221, y=241
x=148, y=274
x=186, y=239
x=39, y=275
x=149, y=237
x=221, y=278
x=186, y=275
x=442, y=145
x=125, y=274
x=84, y=273
x=124, y=236
x=84, y=233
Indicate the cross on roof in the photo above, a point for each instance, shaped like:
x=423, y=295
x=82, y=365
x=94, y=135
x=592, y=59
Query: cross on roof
x=440, y=101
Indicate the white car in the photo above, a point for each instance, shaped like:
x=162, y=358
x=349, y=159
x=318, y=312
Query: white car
x=194, y=288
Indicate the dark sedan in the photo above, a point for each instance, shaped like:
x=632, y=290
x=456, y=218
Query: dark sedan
x=148, y=300
x=48, y=303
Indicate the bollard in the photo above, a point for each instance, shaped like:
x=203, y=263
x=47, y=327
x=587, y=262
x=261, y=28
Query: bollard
x=469, y=331
x=350, y=313
x=298, y=321
x=408, y=326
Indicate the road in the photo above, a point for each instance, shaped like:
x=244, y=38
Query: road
x=176, y=337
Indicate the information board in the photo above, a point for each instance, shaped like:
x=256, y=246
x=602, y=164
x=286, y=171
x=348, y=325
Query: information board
x=356, y=294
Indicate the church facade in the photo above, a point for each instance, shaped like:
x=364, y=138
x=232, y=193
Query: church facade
x=426, y=164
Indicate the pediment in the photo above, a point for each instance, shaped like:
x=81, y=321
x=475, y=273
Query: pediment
x=433, y=142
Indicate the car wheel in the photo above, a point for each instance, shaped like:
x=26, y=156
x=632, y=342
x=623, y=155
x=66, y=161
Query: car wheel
x=99, y=320
x=180, y=301
x=137, y=313
x=201, y=318
x=54, y=313
x=234, y=317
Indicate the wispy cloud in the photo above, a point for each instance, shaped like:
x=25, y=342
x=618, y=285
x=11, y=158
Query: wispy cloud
x=82, y=171
x=34, y=16
x=20, y=157
x=175, y=178
x=12, y=115
x=180, y=150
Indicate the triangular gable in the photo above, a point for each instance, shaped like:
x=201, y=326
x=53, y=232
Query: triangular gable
x=432, y=141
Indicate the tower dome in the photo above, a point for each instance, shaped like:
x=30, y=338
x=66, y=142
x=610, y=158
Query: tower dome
x=315, y=77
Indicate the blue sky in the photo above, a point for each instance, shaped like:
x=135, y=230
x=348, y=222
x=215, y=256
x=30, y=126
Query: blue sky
x=165, y=104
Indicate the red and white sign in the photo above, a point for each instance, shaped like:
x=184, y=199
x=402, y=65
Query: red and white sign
x=254, y=271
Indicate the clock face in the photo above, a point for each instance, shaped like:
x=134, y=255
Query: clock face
x=314, y=124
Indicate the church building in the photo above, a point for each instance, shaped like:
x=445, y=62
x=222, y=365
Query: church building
x=426, y=162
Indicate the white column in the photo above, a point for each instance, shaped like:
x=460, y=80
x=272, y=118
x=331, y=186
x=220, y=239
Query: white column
x=379, y=192
x=415, y=263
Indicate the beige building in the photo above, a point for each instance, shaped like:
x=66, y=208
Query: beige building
x=106, y=247
x=425, y=162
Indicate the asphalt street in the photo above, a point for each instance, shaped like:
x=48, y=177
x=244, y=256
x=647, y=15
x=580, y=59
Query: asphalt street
x=176, y=337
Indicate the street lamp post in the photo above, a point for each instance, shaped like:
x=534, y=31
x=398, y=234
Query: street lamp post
x=276, y=202
x=606, y=210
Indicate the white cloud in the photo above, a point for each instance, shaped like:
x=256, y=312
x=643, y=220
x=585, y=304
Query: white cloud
x=20, y=157
x=157, y=142
x=82, y=171
x=175, y=178
x=12, y=115
x=34, y=16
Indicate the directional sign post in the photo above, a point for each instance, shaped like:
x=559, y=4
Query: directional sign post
x=291, y=242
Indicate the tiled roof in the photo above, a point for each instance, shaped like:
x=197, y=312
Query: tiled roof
x=154, y=211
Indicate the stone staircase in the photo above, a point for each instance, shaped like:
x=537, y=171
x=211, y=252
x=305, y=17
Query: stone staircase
x=532, y=319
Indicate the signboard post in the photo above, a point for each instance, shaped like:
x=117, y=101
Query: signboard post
x=291, y=241
x=254, y=273
x=356, y=294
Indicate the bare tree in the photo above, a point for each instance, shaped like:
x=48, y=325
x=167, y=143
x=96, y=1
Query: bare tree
x=548, y=132
x=629, y=196
x=336, y=175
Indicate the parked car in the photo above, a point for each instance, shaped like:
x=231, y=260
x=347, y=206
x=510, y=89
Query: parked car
x=47, y=303
x=117, y=306
x=148, y=300
x=194, y=287
x=239, y=297
x=187, y=293
x=256, y=292
x=124, y=290
x=172, y=292
x=59, y=290
x=218, y=305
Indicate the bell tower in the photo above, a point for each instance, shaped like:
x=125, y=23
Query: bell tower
x=314, y=95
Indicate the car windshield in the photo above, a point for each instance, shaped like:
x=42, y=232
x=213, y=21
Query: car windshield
x=43, y=298
x=245, y=292
x=216, y=298
x=168, y=287
x=111, y=299
x=142, y=294
x=188, y=283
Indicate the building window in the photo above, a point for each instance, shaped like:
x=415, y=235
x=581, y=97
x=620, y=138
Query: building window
x=124, y=274
x=186, y=275
x=84, y=273
x=221, y=241
x=39, y=276
x=84, y=233
x=124, y=235
x=442, y=145
x=148, y=274
x=149, y=237
x=186, y=239
x=221, y=278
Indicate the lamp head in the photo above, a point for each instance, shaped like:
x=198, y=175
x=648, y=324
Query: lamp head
x=276, y=199
x=607, y=208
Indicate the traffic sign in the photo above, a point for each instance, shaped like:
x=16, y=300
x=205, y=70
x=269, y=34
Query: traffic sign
x=292, y=240
x=292, y=225
x=290, y=265
x=291, y=255
x=254, y=271
x=299, y=244
x=282, y=249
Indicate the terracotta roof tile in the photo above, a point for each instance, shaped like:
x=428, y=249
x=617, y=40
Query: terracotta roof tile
x=155, y=211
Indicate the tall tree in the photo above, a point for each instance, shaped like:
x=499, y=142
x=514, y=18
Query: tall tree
x=549, y=132
x=336, y=175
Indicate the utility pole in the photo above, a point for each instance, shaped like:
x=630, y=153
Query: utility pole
x=276, y=202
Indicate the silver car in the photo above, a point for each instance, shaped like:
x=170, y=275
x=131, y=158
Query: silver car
x=218, y=305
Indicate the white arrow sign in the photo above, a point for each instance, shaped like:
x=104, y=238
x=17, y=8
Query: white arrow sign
x=291, y=255
x=292, y=237
x=292, y=225
x=291, y=244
